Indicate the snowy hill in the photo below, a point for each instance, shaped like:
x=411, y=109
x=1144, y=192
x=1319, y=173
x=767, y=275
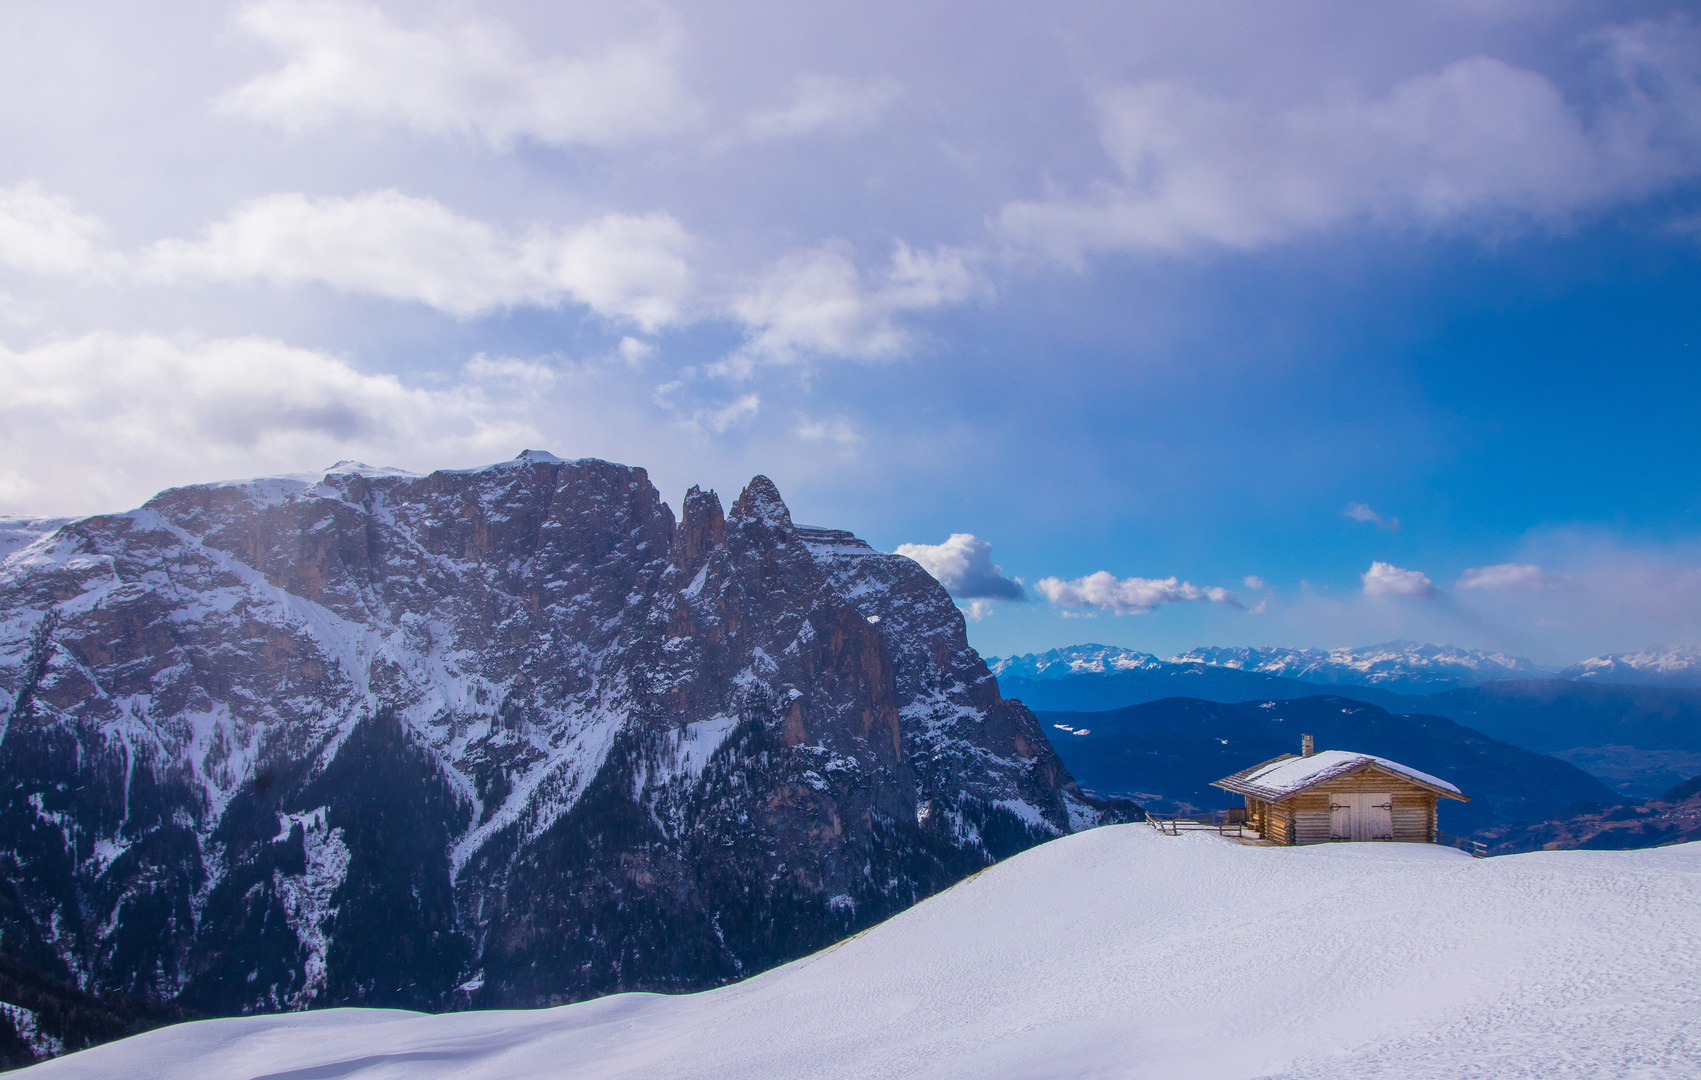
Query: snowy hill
x=1651, y=667
x=1115, y=953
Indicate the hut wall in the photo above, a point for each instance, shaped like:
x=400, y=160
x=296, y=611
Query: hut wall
x=1414, y=808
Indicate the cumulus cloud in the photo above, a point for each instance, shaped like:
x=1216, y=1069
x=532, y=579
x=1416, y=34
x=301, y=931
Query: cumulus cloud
x=1509, y=576
x=1480, y=137
x=1127, y=596
x=963, y=564
x=1363, y=512
x=1386, y=579
x=824, y=103
x=99, y=422
x=471, y=78
x=385, y=243
x=837, y=430
x=44, y=233
x=818, y=303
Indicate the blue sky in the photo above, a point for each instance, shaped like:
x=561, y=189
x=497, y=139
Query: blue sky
x=1355, y=321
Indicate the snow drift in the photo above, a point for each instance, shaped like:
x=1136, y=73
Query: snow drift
x=1112, y=953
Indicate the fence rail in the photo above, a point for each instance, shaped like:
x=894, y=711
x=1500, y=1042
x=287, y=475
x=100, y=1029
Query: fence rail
x=1476, y=849
x=1221, y=822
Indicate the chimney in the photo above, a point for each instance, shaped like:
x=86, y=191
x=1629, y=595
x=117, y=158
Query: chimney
x=1307, y=746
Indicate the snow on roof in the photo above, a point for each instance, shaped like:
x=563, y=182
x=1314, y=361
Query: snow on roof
x=1289, y=775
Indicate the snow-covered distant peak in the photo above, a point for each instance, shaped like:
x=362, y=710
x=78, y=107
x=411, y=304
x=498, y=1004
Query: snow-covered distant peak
x=1072, y=660
x=17, y=533
x=1406, y=663
x=360, y=468
x=1661, y=666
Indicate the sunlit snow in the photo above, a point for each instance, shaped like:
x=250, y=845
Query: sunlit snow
x=1114, y=953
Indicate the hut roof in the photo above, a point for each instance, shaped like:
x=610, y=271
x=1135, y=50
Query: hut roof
x=1278, y=778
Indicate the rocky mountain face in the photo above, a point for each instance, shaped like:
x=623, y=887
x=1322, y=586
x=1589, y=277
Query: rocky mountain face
x=507, y=736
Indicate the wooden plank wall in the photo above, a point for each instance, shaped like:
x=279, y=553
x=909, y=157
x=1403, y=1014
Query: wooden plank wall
x=1304, y=819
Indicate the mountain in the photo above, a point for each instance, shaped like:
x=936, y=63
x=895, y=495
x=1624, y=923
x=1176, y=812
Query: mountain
x=1114, y=690
x=1072, y=660
x=20, y=532
x=1650, y=667
x=502, y=736
x=1673, y=818
x=1397, y=666
x=1401, y=666
x=1165, y=754
x=42, y=1017
x=1117, y=953
x=1639, y=739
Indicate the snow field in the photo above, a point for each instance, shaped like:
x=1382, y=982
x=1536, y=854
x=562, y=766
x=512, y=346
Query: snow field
x=1113, y=953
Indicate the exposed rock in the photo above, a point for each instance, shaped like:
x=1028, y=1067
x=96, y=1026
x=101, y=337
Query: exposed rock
x=504, y=736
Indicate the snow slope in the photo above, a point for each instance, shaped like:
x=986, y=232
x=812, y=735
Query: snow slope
x=1113, y=953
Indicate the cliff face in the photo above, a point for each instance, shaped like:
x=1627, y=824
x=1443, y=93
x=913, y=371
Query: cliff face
x=496, y=737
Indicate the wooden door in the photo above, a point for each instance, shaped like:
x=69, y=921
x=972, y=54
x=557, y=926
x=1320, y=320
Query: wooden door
x=1373, y=815
x=1340, y=817
x=1361, y=815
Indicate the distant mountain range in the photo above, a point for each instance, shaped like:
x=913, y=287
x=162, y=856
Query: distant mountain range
x=1399, y=666
x=1673, y=818
x=1165, y=754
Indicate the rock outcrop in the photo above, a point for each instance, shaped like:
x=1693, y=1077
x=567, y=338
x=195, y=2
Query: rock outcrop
x=505, y=736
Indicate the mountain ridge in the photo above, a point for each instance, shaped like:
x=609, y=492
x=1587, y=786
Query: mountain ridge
x=507, y=735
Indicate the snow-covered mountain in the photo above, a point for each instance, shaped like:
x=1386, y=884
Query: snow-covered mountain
x=1072, y=660
x=1403, y=666
x=1118, y=953
x=510, y=735
x=1663, y=666
x=1392, y=665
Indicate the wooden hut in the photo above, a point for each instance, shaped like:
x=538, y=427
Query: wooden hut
x=1312, y=798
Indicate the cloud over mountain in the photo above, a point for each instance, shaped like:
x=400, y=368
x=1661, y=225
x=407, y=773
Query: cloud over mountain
x=1386, y=579
x=154, y=409
x=474, y=77
x=1127, y=596
x=386, y=243
x=1362, y=512
x=963, y=564
x=1509, y=576
x=1477, y=138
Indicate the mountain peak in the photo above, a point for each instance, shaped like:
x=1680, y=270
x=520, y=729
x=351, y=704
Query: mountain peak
x=760, y=501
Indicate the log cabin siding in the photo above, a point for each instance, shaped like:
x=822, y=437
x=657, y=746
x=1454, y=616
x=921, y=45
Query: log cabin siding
x=1303, y=818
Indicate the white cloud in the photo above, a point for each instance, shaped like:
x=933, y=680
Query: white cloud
x=817, y=303
x=1127, y=596
x=825, y=103
x=42, y=233
x=1386, y=579
x=472, y=78
x=1363, y=512
x=529, y=376
x=100, y=422
x=1509, y=576
x=388, y=244
x=706, y=419
x=963, y=564
x=1479, y=138
x=837, y=430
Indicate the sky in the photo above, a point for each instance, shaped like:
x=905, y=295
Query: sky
x=1156, y=325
